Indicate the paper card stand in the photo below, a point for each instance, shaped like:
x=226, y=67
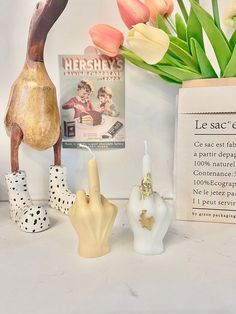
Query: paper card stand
x=205, y=155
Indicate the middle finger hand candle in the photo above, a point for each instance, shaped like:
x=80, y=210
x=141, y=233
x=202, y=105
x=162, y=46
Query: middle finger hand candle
x=92, y=216
x=148, y=214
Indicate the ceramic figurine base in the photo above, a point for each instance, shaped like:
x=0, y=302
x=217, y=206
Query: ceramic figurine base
x=60, y=197
x=28, y=217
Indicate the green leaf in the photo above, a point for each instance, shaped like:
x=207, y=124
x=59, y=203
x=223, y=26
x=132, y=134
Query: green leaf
x=162, y=25
x=215, y=9
x=170, y=60
x=193, y=52
x=128, y=53
x=183, y=55
x=183, y=10
x=179, y=42
x=180, y=27
x=169, y=80
x=230, y=70
x=168, y=73
x=181, y=74
x=194, y=29
x=205, y=66
x=232, y=40
x=217, y=39
x=134, y=59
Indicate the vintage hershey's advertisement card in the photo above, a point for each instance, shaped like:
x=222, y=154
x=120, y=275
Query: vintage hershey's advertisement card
x=92, y=101
x=205, y=156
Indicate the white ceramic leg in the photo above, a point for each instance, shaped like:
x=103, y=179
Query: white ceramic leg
x=60, y=196
x=30, y=218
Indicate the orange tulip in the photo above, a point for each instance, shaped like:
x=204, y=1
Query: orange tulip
x=162, y=7
x=107, y=39
x=133, y=12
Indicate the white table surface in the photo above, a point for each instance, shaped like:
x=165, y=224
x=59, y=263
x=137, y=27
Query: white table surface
x=42, y=273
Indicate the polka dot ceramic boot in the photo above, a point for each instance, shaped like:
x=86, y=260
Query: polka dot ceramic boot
x=60, y=197
x=30, y=218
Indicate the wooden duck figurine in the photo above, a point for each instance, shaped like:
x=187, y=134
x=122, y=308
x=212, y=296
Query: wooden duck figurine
x=32, y=113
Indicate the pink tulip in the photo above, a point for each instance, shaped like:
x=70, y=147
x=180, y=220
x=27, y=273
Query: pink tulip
x=133, y=12
x=107, y=39
x=162, y=7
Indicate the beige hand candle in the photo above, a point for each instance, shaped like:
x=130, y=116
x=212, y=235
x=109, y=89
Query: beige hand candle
x=93, y=177
x=93, y=216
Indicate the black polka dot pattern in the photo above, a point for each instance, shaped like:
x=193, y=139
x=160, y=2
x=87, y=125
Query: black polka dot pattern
x=22, y=210
x=60, y=197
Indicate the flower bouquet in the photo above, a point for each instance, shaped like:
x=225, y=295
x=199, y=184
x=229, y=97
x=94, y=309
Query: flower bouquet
x=174, y=49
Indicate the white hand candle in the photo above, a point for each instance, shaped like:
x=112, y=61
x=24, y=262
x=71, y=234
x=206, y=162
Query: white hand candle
x=146, y=185
x=146, y=161
x=148, y=214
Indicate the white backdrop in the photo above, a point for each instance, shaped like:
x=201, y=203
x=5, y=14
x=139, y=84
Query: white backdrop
x=150, y=104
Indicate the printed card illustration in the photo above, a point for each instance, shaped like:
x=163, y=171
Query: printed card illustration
x=205, y=185
x=92, y=101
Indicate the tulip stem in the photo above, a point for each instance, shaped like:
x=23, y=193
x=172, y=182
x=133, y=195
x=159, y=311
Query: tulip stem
x=183, y=10
x=171, y=24
x=216, y=12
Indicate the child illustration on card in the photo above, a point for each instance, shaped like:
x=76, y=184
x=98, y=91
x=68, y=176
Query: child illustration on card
x=84, y=111
x=106, y=103
x=81, y=103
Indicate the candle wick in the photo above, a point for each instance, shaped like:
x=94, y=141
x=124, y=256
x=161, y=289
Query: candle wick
x=145, y=147
x=88, y=148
